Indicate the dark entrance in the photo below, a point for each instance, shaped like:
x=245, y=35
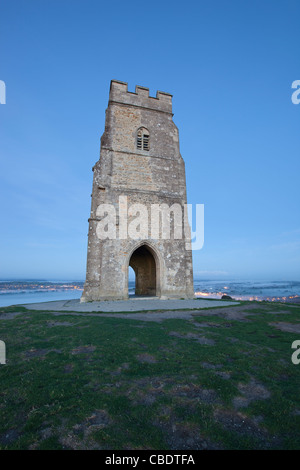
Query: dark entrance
x=143, y=263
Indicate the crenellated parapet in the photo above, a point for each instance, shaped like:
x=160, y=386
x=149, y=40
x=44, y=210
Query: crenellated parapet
x=119, y=93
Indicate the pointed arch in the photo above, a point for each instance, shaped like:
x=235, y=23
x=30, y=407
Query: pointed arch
x=146, y=261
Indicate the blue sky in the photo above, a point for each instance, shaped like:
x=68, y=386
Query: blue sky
x=229, y=65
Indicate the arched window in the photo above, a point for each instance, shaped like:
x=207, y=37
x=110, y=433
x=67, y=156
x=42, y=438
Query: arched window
x=143, y=139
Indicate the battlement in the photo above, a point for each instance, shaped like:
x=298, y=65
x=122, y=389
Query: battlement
x=119, y=94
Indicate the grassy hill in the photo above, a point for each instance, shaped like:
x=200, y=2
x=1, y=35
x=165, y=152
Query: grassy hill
x=222, y=379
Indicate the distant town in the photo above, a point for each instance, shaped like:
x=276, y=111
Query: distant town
x=286, y=291
x=39, y=286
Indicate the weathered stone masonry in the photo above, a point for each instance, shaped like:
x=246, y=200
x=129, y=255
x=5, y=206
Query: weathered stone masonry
x=140, y=159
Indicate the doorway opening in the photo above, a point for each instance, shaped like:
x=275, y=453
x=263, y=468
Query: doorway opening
x=143, y=263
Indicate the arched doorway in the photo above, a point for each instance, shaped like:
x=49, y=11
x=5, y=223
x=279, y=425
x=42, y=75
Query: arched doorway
x=143, y=262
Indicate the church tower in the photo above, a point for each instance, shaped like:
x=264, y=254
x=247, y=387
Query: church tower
x=138, y=211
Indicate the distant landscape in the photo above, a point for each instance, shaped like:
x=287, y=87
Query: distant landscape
x=15, y=292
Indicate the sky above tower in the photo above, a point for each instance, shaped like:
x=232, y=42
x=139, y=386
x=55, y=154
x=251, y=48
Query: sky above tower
x=230, y=68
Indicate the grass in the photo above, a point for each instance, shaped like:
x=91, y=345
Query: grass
x=92, y=382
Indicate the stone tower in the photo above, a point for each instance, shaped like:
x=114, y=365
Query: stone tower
x=138, y=186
